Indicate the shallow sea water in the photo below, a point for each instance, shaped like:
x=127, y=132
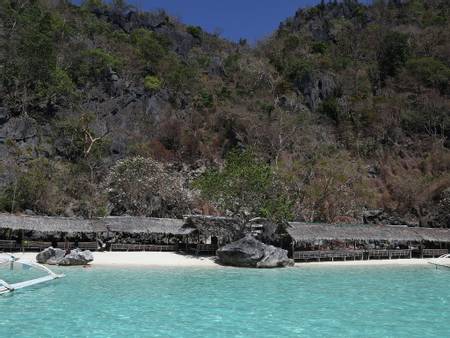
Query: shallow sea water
x=230, y=302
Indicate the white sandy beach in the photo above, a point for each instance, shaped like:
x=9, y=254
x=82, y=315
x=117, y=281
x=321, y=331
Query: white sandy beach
x=171, y=259
x=150, y=259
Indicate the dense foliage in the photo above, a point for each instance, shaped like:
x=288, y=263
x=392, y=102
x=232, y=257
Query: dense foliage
x=346, y=107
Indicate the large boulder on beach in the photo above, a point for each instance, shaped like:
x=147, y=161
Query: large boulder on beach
x=50, y=256
x=77, y=257
x=249, y=252
x=54, y=256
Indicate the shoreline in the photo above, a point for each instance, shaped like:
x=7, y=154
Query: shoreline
x=172, y=259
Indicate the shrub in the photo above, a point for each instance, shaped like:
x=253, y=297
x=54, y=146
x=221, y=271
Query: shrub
x=95, y=64
x=319, y=47
x=152, y=83
x=246, y=187
x=30, y=188
x=431, y=72
x=150, y=48
x=296, y=69
x=393, y=54
x=142, y=186
x=330, y=108
x=329, y=187
x=291, y=42
x=195, y=31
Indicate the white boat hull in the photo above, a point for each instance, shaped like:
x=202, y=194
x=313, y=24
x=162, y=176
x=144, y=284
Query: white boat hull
x=441, y=262
x=11, y=260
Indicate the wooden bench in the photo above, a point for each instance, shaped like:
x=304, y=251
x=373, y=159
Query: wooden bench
x=35, y=245
x=306, y=255
x=166, y=247
x=204, y=249
x=377, y=254
x=66, y=245
x=434, y=252
x=142, y=247
x=93, y=246
x=398, y=253
x=406, y=253
x=8, y=245
x=330, y=254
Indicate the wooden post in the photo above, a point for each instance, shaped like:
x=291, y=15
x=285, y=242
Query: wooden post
x=293, y=249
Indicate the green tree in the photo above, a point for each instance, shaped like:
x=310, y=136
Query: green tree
x=432, y=72
x=149, y=47
x=247, y=187
x=195, y=31
x=393, y=54
x=152, y=83
x=95, y=65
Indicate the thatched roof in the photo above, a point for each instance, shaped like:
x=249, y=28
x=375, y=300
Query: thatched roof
x=226, y=228
x=124, y=224
x=49, y=224
x=433, y=234
x=130, y=224
x=309, y=232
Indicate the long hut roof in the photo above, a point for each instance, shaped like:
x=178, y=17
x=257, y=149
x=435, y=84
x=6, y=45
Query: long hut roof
x=125, y=224
x=309, y=232
x=49, y=224
x=222, y=227
x=131, y=224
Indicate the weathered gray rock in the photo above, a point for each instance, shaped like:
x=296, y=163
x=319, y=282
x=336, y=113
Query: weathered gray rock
x=249, y=252
x=316, y=88
x=50, y=256
x=54, y=256
x=77, y=257
x=380, y=216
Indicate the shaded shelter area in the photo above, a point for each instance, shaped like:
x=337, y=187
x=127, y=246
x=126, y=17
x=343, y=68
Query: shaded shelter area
x=128, y=229
x=211, y=232
x=380, y=241
x=18, y=231
x=223, y=229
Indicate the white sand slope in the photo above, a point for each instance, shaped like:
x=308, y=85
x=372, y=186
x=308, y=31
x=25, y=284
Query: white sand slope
x=171, y=259
x=156, y=259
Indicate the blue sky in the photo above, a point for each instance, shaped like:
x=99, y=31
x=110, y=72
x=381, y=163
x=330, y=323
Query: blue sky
x=249, y=19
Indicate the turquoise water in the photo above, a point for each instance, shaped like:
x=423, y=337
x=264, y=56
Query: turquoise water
x=229, y=302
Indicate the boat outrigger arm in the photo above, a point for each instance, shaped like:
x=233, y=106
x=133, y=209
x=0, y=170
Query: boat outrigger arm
x=11, y=260
x=443, y=261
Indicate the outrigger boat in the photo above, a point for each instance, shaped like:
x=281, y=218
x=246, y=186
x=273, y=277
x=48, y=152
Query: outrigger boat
x=443, y=261
x=7, y=259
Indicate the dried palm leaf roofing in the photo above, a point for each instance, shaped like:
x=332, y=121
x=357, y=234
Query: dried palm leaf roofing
x=97, y=225
x=310, y=232
x=300, y=232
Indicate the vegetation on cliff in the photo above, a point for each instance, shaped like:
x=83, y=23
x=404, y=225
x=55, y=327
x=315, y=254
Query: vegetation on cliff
x=346, y=107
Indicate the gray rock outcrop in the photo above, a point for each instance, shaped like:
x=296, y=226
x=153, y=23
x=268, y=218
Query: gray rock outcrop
x=249, y=252
x=77, y=257
x=53, y=256
x=50, y=256
x=316, y=88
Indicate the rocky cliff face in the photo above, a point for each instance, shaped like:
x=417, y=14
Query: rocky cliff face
x=338, y=88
